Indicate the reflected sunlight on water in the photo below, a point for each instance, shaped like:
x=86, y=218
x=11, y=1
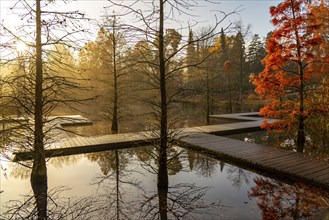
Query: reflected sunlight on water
x=123, y=183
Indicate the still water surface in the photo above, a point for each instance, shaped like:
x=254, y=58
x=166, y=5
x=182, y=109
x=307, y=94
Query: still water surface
x=122, y=184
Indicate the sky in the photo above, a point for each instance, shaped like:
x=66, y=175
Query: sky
x=253, y=12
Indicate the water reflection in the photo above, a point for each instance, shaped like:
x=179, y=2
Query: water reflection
x=238, y=176
x=22, y=169
x=177, y=201
x=59, y=207
x=166, y=202
x=277, y=200
x=202, y=164
x=116, y=185
x=123, y=184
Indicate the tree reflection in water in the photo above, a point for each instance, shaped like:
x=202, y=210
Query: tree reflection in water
x=278, y=200
x=123, y=197
x=238, y=176
x=203, y=164
x=180, y=201
x=59, y=207
x=122, y=184
x=117, y=184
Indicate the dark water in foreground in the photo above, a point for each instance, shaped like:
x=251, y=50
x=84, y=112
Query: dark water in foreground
x=121, y=184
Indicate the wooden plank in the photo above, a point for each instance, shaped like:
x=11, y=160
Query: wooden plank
x=276, y=155
x=257, y=154
x=71, y=142
x=249, y=153
x=55, y=145
x=279, y=164
x=252, y=154
x=319, y=173
x=61, y=144
x=98, y=140
x=268, y=158
x=225, y=145
x=67, y=143
x=82, y=141
x=323, y=178
x=301, y=167
x=204, y=140
x=76, y=141
x=90, y=141
x=306, y=165
x=287, y=163
x=309, y=165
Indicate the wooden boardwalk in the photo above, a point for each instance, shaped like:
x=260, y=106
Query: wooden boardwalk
x=277, y=161
x=226, y=129
x=69, y=120
x=79, y=145
x=247, y=116
x=69, y=146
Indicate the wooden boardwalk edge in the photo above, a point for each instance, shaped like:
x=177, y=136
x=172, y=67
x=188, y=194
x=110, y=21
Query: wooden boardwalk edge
x=23, y=156
x=260, y=167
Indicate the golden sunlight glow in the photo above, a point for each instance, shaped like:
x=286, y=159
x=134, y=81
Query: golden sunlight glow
x=20, y=46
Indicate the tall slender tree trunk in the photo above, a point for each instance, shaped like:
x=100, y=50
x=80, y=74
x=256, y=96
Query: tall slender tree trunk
x=163, y=171
x=230, y=92
x=301, y=118
x=207, y=98
x=39, y=180
x=117, y=182
x=241, y=81
x=163, y=204
x=114, y=127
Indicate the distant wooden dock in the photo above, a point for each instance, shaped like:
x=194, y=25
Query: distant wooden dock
x=69, y=120
x=277, y=161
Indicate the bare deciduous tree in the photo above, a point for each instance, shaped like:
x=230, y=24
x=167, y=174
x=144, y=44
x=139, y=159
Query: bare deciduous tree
x=36, y=90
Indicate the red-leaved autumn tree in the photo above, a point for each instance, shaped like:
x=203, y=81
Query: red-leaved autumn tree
x=291, y=69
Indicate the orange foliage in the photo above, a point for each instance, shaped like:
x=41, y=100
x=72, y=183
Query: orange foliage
x=227, y=65
x=320, y=16
x=290, y=72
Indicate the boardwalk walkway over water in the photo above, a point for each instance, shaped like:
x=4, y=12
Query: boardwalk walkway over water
x=277, y=161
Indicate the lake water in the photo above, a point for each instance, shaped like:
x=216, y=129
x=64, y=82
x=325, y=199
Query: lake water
x=122, y=184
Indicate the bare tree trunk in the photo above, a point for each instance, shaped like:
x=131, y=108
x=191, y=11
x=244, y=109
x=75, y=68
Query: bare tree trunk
x=207, y=98
x=241, y=81
x=114, y=127
x=117, y=182
x=230, y=93
x=163, y=172
x=39, y=169
x=163, y=204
